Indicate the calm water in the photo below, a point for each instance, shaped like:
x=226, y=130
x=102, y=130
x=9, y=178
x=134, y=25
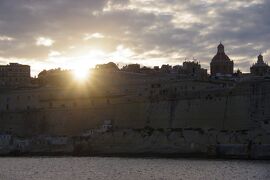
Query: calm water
x=130, y=168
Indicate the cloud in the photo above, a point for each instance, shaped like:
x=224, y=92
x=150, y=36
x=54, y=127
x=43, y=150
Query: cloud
x=150, y=31
x=54, y=53
x=43, y=41
x=6, y=38
x=93, y=36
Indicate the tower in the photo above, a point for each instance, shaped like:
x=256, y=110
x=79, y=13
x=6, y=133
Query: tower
x=260, y=68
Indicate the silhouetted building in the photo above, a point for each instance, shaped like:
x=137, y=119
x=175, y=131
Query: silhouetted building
x=111, y=66
x=221, y=63
x=145, y=69
x=156, y=68
x=191, y=67
x=194, y=69
x=238, y=73
x=14, y=75
x=132, y=68
x=166, y=68
x=55, y=77
x=260, y=68
x=177, y=69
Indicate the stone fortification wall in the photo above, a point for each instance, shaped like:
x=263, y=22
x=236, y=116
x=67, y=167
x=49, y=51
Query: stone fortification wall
x=175, y=104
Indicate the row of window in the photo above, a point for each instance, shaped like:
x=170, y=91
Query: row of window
x=15, y=69
x=18, y=98
x=50, y=105
x=16, y=80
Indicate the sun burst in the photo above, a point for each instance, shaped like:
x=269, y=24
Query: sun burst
x=81, y=74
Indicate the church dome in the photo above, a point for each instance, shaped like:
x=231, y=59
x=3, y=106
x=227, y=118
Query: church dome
x=220, y=56
x=221, y=63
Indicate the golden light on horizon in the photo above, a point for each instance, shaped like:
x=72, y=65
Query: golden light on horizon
x=81, y=74
x=82, y=57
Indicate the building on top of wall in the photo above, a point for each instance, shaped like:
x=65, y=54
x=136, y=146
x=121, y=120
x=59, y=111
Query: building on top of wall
x=193, y=68
x=14, y=75
x=111, y=66
x=260, y=68
x=221, y=63
x=166, y=68
x=132, y=68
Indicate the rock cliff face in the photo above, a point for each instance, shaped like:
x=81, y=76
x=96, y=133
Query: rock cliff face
x=145, y=142
x=162, y=117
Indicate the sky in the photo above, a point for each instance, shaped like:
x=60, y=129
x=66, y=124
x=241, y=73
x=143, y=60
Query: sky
x=68, y=33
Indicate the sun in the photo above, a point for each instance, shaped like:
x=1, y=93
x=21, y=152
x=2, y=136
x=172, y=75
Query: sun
x=81, y=74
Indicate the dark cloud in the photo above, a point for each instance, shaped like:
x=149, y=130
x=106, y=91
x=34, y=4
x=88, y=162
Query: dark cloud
x=173, y=29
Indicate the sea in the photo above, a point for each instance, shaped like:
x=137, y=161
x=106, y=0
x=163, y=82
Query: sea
x=115, y=168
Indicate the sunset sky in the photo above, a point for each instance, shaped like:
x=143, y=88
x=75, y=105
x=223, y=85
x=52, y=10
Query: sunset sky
x=81, y=33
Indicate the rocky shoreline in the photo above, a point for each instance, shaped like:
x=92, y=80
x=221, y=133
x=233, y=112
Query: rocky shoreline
x=145, y=142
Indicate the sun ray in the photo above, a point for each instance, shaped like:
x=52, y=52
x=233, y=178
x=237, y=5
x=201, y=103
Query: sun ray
x=81, y=74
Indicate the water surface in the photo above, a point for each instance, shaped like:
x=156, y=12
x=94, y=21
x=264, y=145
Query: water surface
x=72, y=168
